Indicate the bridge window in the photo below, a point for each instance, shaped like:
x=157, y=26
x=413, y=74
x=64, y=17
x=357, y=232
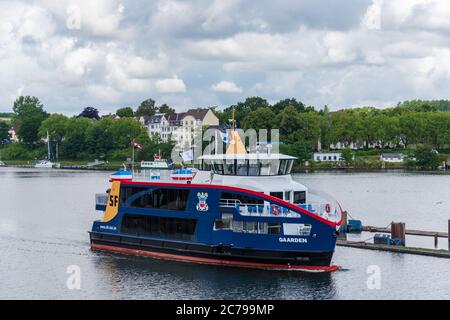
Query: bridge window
x=163, y=227
x=299, y=197
x=278, y=195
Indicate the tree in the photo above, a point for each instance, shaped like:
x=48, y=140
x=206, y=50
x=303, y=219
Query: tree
x=166, y=109
x=124, y=130
x=261, y=118
x=4, y=133
x=146, y=108
x=56, y=126
x=90, y=113
x=99, y=139
x=347, y=155
x=126, y=112
x=28, y=116
x=280, y=105
x=426, y=157
x=74, y=144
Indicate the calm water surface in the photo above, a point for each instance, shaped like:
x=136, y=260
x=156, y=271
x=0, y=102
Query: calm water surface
x=45, y=216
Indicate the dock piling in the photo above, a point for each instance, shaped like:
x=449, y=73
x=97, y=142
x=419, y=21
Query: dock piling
x=398, y=233
x=448, y=234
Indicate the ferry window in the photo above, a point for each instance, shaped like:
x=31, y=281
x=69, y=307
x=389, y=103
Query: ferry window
x=154, y=226
x=229, y=168
x=263, y=227
x=218, y=167
x=289, y=168
x=254, y=168
x=274, y=165
x=171, y=199
x=238, y=226
x=274, y=228
x=299, y=197
x=241, y=199
x=278, y=195
x=128, y=192
x=283, y=167
x=225, y=223
x=287, y=195
x=250, y=227
x=242, y=168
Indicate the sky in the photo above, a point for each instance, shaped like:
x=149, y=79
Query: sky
x=116, y=53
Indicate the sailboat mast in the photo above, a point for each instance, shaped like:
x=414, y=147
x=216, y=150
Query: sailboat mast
x=48, y=147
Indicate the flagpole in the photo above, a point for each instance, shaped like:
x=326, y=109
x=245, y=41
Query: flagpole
x=132, y=159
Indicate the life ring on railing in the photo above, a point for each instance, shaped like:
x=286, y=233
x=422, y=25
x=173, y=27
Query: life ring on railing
x=276, y=210
x=327, y=208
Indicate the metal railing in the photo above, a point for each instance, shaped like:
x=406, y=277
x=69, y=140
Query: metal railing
x=274, y=210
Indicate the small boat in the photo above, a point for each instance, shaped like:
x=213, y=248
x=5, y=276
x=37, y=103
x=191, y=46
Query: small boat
x=237, y=210
x=157, y=164
x=47, y=163
x=2, y=164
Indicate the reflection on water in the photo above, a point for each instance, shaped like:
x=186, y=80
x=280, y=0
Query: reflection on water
x=45, y=216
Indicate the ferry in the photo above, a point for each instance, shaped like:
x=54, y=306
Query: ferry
x=237, y=209
x=157, y=164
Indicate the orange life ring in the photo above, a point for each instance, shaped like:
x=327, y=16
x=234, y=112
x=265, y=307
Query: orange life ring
x=327, y=208
x=276, y=210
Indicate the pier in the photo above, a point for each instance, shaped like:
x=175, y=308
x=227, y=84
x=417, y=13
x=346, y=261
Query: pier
x=396, y=241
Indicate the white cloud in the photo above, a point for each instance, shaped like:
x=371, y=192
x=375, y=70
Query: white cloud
x=226, y=86
x=170, y=85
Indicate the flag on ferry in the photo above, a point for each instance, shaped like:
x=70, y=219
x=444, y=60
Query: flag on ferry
x=187, y=155
x=225, y=137
x=136, y=145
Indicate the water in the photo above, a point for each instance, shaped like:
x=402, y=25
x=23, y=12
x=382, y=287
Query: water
x=45, y=216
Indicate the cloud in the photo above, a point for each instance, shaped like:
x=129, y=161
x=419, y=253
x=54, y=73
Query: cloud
x=372, y=51
x=226, y=86
x=170, y=85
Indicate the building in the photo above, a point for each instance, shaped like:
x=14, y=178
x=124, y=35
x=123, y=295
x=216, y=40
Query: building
x=327, y=156
x=392, y=157
x=179, y=127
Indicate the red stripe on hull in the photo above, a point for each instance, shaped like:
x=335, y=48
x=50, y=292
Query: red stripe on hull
x=167, y=256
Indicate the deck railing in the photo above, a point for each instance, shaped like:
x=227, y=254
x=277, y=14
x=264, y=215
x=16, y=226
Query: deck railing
x=274, y=210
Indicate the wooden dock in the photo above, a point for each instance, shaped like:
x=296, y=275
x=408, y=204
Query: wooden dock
x=408, y=231
x=440, y=253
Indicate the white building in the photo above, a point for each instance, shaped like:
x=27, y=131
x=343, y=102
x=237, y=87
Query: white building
x=180, y=127
x=392, y=157
x=327, y=156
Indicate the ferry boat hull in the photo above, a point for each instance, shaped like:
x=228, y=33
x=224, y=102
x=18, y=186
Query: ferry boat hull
x=214, y=255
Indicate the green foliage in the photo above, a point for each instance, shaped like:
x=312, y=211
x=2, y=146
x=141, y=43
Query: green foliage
x=126, y=112
x=4, y=132
x=146, y=108
x=427, y=158
x=55, y=125
x=28, y=116
x=164, y=108
x=347, y=155
x=16, y=151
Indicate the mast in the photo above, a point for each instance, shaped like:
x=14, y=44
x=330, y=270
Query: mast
x=48, y=147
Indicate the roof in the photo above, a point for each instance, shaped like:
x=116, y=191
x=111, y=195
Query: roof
x=251, y=156
x=198, y=113
x=392, y=155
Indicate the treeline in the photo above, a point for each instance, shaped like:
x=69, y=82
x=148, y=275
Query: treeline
x=303, y=128
x=83, y=137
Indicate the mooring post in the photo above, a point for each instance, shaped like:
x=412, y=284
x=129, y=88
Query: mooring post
x=398, y=233
x=343, y=227
x=436, y=240
x=448, y=234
